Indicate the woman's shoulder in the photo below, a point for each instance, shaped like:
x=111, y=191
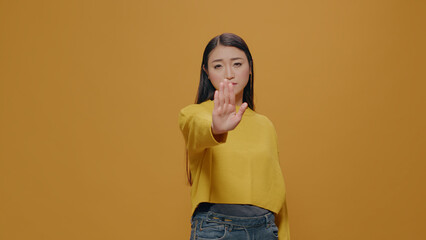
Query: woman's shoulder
x=264, y=119
x=197, y=108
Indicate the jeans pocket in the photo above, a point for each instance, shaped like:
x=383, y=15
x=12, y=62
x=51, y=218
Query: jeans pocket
x=210, y=230
x=274, y=229
x=193, y=227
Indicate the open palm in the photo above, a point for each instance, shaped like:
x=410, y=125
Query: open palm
x=224, y=117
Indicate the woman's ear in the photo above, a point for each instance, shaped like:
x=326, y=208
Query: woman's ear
x=204, y=68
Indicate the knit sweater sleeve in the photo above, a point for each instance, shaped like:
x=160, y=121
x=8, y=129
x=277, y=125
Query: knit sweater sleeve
x=281, y=219
x=195, y=123
x=283, y=223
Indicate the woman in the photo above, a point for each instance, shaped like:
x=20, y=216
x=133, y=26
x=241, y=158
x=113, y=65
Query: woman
x=238, y=190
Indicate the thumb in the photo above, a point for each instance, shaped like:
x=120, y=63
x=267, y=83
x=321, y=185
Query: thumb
x=242, y=109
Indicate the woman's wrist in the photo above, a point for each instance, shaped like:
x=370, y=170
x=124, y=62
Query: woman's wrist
x=216, y=131
x=219, y=136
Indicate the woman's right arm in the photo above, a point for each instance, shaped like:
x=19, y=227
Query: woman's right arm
x=202, y=129
x=195, y=123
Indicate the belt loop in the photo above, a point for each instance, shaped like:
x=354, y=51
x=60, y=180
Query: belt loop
x=230, y=227
x=266, y=221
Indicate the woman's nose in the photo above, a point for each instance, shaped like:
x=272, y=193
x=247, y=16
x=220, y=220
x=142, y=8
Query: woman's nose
x=229, y=74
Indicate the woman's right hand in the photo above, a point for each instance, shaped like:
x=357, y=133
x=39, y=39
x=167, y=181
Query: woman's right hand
x=224, y=117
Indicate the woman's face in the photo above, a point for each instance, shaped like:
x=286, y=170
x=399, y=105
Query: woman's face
x=230, y=63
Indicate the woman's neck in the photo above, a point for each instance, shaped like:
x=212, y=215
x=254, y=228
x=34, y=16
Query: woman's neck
x=239, y=99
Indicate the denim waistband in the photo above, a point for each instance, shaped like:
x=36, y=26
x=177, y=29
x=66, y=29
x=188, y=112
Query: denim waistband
x=238, y=210
x=234, y=220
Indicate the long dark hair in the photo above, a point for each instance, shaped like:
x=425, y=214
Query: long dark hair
x=206, y=89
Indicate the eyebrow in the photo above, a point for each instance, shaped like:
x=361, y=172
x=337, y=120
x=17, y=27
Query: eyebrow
x=218, y=60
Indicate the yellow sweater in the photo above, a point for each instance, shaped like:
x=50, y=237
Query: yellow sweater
x=243, y=169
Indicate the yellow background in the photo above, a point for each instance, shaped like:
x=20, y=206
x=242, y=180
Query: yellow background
x=90, y=93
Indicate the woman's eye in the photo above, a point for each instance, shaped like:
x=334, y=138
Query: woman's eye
x=237, y=64
x=217, y=66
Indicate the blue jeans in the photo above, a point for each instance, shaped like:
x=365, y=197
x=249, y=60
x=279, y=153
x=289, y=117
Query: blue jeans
x=214, y=226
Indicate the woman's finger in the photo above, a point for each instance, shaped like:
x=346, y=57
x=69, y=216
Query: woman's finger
x=231, y=95
x=226, y=92
x=243, y=108
x=221, y=97
x=216, y=99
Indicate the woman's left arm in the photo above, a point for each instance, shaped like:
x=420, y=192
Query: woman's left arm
x=282, y=222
